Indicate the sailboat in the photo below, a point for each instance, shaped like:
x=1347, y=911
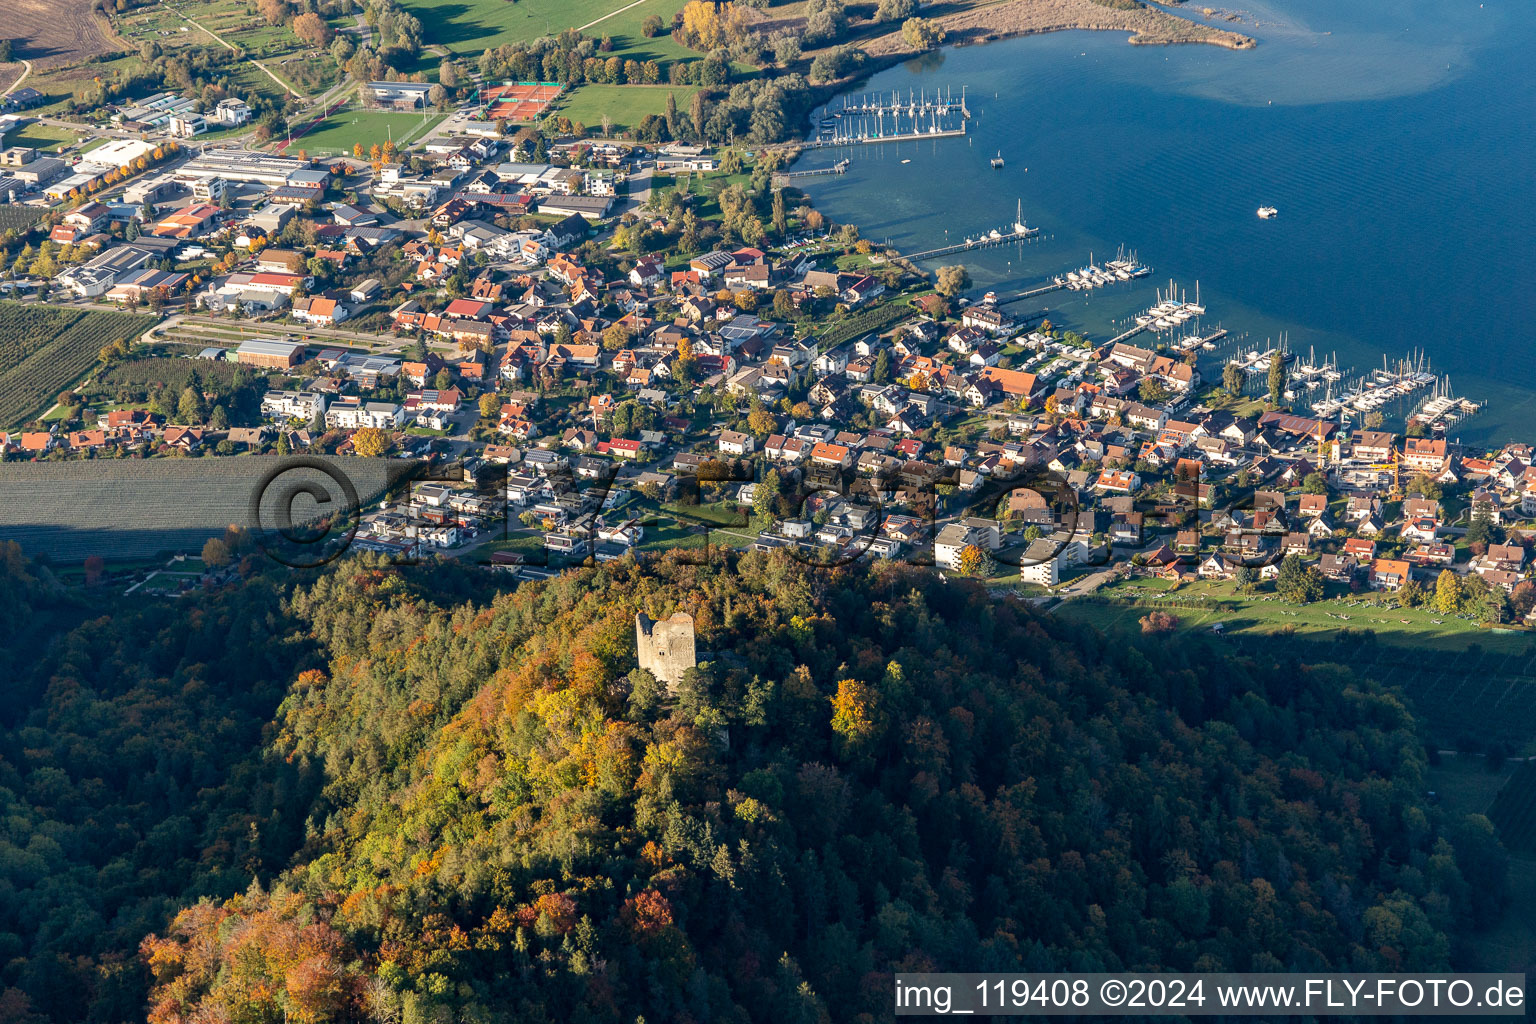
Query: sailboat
x=997, y=161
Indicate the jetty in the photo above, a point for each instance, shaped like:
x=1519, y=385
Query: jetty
x=782, y=178
x=1017, y=232
x=1049, y=286
x=1443, y=408
x=1091, y=276
x=876, y=118
x=870, y=138
x=941, y=104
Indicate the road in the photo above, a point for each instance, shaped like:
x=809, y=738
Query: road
x=1087, y=584
x=639, y=194
x=26, y=66
x=610, y=14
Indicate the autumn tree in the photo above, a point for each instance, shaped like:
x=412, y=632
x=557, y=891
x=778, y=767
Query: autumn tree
x=312, y=29
x=1448, y=593
x=857, y=718
x=490, y=405
x=922, y=33
x=951, y=281
x=1157, y=621
x=975, y=561
x=370, y=442
x=215, y=553
x=761, y=422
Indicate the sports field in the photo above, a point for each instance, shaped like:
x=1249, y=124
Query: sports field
x=520, y=101
x=337, y=134
x=625, y=104
x=471, y=26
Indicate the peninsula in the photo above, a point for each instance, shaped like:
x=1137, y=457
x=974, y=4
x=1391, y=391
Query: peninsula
x=992, y=20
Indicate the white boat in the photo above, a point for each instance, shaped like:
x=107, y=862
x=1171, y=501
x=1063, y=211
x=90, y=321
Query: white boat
x=1268, y=212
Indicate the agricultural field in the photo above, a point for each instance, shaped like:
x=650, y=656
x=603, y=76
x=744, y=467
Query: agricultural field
x=470, y=26
x=338, y=133
x=625, y=104
x=129, y=509
x=25, y=329
x=51, y=33
x=138, y=375
x=14, y=215
x=49, y=349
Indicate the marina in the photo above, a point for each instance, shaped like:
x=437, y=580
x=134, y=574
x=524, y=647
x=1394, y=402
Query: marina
x=1442, y=408
x=1121, y=268
x=917, y=104
x=1390, y=384
x=872, y=119
x=1193, y=215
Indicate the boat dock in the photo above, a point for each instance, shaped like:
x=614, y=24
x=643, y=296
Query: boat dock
x=1127, y=335
x=1018, y=231
x=1087, y=278
x=972, y=244
x=1443, y=408
x=940, y=104
x=872, y=138
x=1049, y=286
x=782, y=178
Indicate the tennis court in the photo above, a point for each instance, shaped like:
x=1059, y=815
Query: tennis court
x=519, y=101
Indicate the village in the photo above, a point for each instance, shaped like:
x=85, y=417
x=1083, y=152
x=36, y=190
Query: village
x=621, y=348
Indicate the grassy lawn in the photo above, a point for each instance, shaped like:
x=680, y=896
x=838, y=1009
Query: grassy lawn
x=1262, y=612
x=41, y=136
x=471, y=26
x=625, y=104
x=341, y=131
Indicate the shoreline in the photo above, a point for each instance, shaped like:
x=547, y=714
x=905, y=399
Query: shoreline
x=1149, y=25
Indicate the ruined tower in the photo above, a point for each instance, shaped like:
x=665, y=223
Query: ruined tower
x=666, y=647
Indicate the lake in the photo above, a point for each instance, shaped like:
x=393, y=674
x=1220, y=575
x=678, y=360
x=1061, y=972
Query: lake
x=1396, y=142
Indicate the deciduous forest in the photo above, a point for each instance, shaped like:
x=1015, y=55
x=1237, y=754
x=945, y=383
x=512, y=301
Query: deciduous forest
x=375, y=794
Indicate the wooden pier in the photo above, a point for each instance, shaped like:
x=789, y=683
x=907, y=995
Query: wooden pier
x=782, y=178
x=941, y=104
x=1049, y=286
x=973, y=244
x=869, y=140
x=1137, y=329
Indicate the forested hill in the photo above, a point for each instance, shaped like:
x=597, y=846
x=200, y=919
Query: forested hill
x=407, y=802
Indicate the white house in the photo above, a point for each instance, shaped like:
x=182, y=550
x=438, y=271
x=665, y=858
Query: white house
x=352, y=413
x=294, y=405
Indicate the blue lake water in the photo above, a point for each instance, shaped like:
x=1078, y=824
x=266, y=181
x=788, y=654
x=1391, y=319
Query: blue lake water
x=1397, y=141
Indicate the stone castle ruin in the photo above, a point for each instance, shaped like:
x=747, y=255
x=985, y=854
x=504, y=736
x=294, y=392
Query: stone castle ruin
x=666, y=648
